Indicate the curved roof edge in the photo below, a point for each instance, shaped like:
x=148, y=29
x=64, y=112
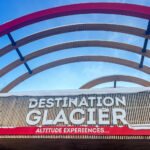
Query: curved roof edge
x=53, y=64
x=83, y=8
x=111, y=78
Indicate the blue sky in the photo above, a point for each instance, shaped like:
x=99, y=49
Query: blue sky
x=70, y=76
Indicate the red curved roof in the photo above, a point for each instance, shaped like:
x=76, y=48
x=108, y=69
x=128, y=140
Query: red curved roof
x=84, y=8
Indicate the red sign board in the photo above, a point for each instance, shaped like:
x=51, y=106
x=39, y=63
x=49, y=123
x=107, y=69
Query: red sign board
x=72, y=130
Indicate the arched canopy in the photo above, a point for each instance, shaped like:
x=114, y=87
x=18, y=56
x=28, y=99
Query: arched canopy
x=76, y=44
x=72, y=28
x=83, y=8
x=114, y=60
x=111, y=78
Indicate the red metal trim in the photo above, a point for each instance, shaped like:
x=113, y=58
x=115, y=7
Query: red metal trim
x=84, y=8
